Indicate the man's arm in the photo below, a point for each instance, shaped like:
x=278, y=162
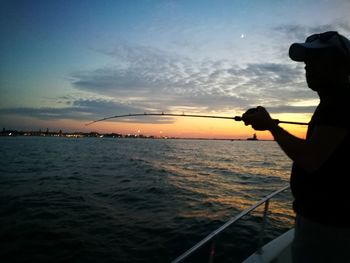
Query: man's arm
x=307, y=154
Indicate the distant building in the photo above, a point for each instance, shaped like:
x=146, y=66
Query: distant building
x=254, y=138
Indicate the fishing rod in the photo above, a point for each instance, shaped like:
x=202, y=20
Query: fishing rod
x=236, y=118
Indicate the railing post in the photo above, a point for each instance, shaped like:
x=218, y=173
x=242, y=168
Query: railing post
x=263, y=226
x=212, y=250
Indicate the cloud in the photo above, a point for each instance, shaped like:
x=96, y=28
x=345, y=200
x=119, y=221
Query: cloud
x=152, y=79
x=146, y=79
x=298, y=33
x=291, y=109
x=45, y=113
x=83, y=109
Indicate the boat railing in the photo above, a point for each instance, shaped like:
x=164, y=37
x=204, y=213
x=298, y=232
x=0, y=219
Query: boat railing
x=215, y=233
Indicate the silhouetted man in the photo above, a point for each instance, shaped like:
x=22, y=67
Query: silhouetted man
x=320, y=177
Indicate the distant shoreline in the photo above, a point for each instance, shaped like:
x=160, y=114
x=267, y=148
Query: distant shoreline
x=47, y=133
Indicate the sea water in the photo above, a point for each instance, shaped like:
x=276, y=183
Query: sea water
x=135, y=200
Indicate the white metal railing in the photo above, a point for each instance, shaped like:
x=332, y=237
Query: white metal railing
x=234, y=219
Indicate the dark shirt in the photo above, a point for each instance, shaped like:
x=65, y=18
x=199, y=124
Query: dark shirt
x=324, y=195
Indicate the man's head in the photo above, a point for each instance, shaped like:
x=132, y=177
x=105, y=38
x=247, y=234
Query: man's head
x=327, y=59
x=326, y=45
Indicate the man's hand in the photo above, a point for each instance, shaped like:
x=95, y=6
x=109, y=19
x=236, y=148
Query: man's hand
x=259, y=118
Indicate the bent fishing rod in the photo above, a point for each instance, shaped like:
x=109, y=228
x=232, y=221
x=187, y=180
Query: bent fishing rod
x=236, y=118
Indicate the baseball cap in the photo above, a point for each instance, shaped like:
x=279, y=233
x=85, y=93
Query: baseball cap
x=330, y=42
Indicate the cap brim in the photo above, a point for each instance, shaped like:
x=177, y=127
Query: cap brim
x=300, y=51
x=297, y=52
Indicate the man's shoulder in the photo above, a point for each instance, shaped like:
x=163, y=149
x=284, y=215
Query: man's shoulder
x=332, y=114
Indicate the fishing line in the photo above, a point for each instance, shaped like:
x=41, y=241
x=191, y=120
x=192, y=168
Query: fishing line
x=236, y=118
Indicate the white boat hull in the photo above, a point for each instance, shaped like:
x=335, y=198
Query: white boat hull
x=276, y=251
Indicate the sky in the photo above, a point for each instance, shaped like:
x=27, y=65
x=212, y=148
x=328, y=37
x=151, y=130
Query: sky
x=66, y=63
